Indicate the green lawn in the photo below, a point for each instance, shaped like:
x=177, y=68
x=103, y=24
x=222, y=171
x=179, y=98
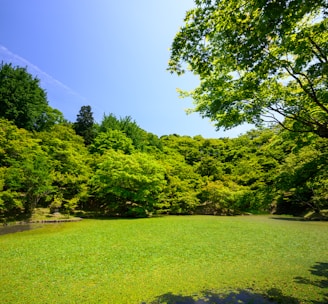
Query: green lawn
x=167, y=260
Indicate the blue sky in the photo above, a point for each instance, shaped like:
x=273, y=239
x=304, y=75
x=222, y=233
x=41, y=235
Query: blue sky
x=111, y=55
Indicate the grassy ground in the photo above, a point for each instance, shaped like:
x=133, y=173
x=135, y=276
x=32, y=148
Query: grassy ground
x=167, y=260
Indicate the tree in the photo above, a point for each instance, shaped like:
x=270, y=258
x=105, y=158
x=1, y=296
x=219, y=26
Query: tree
x=258, y=61
x=70, y=165
x=31, y=176
x=301, y=182
x=128, y=185
x=85, y=125
x=128, y=126
x=23, y=101
x=49, y=118
x=183, y=184
x=25, y=175
x=112, y=139
x=225, y=198
x=179, y=196
x=187, y=146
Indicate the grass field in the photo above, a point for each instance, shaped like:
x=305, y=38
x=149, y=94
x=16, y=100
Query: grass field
x=167, y=260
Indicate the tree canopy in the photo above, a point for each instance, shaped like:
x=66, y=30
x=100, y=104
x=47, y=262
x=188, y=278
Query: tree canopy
x=123, y=170
x=258, y=61
x=23, y=101
x=128, y=184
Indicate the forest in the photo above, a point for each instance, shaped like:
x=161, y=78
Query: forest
x=115, y=168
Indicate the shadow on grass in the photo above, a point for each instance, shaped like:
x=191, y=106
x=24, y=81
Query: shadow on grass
x=316, y=217
x=288, y=218
x=106, y=217
x=245, y=296
x=18, y=228
x=239, y=296
x=319, y=270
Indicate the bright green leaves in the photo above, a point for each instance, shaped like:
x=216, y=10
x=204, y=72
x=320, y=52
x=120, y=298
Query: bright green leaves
x=251, y=173
x=256, y=61
x=31, y=176
x=126, y=126
x=70, y=163
x=10, y=200
x=27, y=177
x=179, y=196
x=112, y=139
x=129, y=172
x=128, y=184
x=222, y=198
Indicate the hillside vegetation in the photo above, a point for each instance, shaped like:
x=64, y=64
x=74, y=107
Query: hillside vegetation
x=115, y=168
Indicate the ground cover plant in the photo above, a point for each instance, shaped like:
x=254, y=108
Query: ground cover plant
x=174, y=259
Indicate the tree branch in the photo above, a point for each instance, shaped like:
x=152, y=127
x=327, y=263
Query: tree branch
x=317, y=47
x=312, y=93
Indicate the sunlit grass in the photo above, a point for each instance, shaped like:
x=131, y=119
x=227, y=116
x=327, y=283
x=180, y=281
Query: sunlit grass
x=135, y=261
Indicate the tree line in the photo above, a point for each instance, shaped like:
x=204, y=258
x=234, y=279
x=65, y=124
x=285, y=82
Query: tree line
x=115, y=168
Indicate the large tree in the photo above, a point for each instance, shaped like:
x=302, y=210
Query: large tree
x=258, y=61
x=70, y=165
x=23, y=101
x=128, y=185
x=128, y=126
x=26, y=173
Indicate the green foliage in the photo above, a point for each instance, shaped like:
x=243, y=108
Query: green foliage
x=222, y=198
x=141, y=140
x=183, y=183
x=128, y=185
x=31, y=176
x=301, y=181
x=23, y=101
x=210, y=166
x=257, y=62
x=27, y=172
x=112, y=139
x=127, y=126
x=127, y=171
x=187, y=146
x=10, y=203
x=70, y=163
x=85, y=125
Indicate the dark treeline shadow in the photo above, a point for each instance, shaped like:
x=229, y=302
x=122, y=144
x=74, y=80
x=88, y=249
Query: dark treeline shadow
x=288, y=218
x=246, y=296
x=320, y=270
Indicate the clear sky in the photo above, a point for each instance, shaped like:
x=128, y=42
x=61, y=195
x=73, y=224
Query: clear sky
x=111, y=55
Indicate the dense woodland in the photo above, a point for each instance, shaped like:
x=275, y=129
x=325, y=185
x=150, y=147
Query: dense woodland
x=115, y=168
